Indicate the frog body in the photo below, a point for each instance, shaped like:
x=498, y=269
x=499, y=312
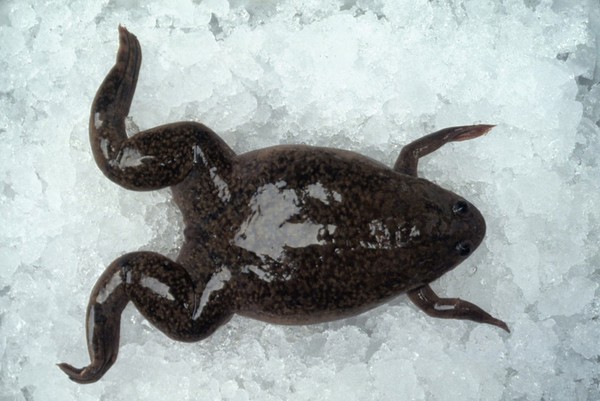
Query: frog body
x=291, y=234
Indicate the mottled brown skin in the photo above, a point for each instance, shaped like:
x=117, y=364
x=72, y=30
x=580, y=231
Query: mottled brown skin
x=287, y=234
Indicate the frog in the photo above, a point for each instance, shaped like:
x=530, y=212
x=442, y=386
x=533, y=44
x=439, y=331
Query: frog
x=289, y=234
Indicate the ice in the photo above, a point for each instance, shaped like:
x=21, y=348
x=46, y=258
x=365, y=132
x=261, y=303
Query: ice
x=567, y=298
x=364, y=75
x=582, y=331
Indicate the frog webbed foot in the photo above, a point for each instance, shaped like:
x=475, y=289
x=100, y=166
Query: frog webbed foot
x=451, y=308
x=90, y=374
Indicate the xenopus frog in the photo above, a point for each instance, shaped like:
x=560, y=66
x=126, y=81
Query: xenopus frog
x=287, y=234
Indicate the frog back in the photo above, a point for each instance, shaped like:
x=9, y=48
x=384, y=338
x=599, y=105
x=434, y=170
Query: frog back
x=324, y=233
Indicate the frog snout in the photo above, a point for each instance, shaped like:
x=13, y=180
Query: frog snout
x=477, y=227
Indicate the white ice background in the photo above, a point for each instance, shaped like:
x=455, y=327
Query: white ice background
x=364, y=75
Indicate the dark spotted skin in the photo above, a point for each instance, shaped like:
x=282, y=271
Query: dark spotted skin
x=288, y=234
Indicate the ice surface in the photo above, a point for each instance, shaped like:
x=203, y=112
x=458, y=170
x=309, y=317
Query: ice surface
x=365, y=75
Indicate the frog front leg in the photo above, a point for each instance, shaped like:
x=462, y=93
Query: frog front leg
x=451, y=308
x=162, y=291
x=411, y=153
x=152, y=159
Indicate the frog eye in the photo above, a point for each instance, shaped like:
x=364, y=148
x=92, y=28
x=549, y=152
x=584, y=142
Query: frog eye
x=463, y=248
x=460, y=208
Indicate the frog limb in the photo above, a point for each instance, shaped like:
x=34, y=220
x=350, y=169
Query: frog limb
x=151, y=159
x=103, y=319
x=164, y=294
x=451, y=308
x=410, y=154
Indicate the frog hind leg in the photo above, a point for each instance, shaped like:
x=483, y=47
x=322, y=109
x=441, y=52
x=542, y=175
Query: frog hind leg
x=409, y=156
x=152, y=159
x=161, y=290
x=451, y=308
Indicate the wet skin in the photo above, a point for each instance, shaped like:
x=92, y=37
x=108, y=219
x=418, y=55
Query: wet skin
x=289, y=234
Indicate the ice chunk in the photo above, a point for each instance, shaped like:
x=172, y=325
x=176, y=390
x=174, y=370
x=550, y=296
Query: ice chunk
x=567, y=298
x=582, y=339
